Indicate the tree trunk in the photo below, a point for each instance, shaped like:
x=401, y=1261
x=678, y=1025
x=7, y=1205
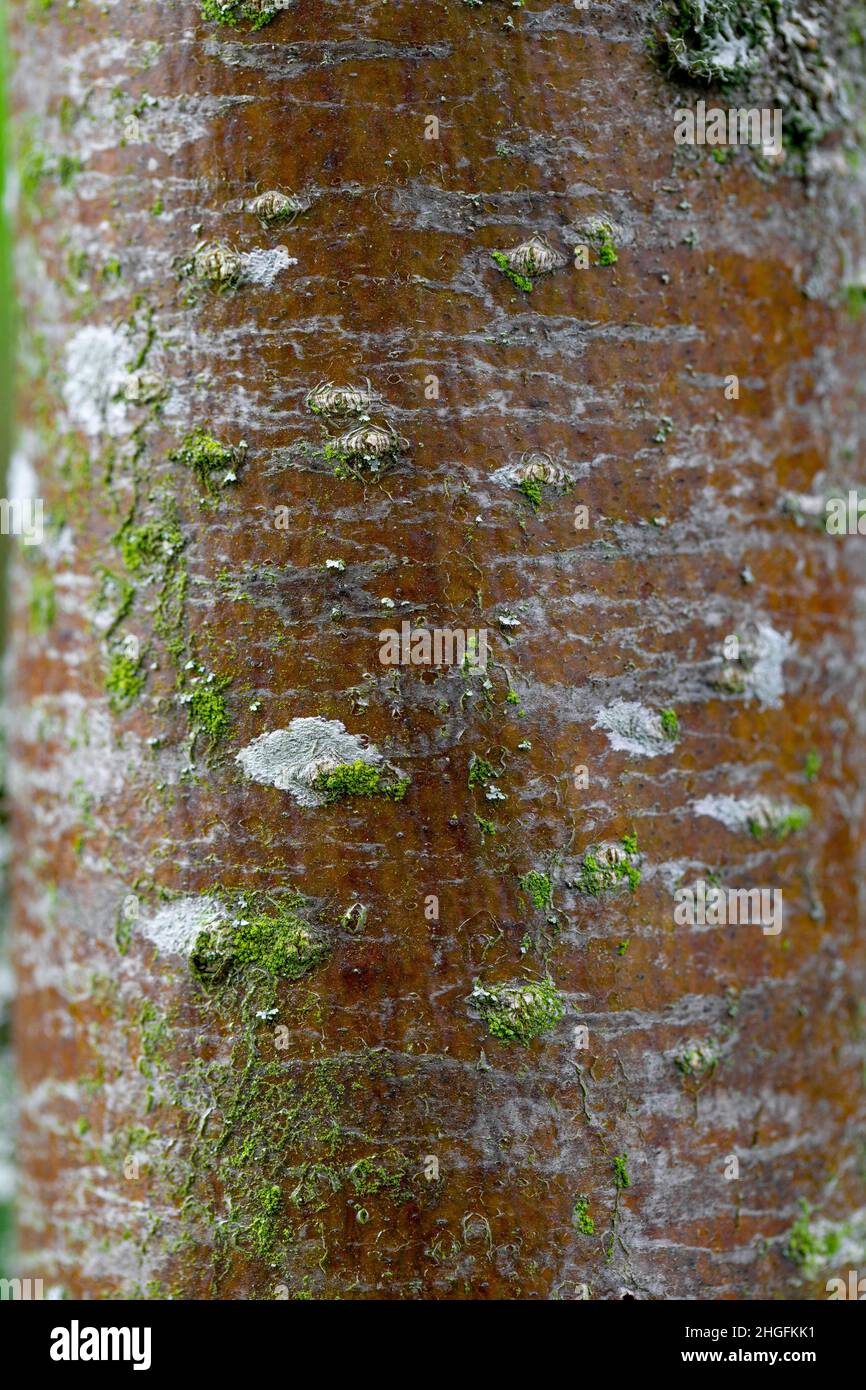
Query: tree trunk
x=344, y=973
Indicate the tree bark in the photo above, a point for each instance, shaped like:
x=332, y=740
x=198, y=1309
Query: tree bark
x=278, y=1041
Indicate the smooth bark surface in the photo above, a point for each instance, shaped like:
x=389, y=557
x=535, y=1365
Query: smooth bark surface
x=195, y=1125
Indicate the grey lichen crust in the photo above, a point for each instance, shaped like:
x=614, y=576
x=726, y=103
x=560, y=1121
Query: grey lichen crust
x=756, y=815
x=632, y=728
x=175, y=927
x=793, y=54
x=291, y=759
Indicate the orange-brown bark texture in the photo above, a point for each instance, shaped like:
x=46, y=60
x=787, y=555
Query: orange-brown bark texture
x=446, y=1040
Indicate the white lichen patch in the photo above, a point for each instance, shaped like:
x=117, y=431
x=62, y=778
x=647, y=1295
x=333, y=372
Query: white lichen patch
x=757, y=815
x=290, y=759
x=97, y=358
x=263, y=265
x=632, y=728
x=763, y=660
x=143, y=388
x=175, y=928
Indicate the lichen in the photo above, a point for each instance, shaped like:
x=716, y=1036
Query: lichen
x=293, y=759
x=757, y=815
x=632, y=728
x=518, y=1011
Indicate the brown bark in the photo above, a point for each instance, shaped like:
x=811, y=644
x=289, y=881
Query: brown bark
x=174, y=1141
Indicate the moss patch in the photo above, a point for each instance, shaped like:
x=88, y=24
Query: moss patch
x=254, y=13
x=608, y=867
x=276, y=939
x=358, y=779
x=124, y=681
x=581, y=1218
x=206, y=456
x=807, y=1249
x=782, y=824
x=520, y=1011
x=520, y=282
x=538, y=888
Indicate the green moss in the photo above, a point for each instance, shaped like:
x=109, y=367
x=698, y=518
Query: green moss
x=42, y=604
x=531, y=489
x=480, y=771
x=262, y=1228
x=581, y=1218
x=359, y=779
x=604, y=871
x=208, y=711
x=391, y=1175
x=811, y=765
x=285, y=946
x=273, y=937
x=485, y=826
x=621, y=1179
x=665, y=429
x=520, y=282
x=670, y=724
x=255, y=13
x=154, y=543
x=781, y=825
x=206, y=456
x=520, y=1011
x=124, y=681
x=538, y=888
x=606, y=245
x=805, y=1248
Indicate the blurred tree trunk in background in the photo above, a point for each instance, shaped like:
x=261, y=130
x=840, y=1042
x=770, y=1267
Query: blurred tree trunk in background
x=445, y=1040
